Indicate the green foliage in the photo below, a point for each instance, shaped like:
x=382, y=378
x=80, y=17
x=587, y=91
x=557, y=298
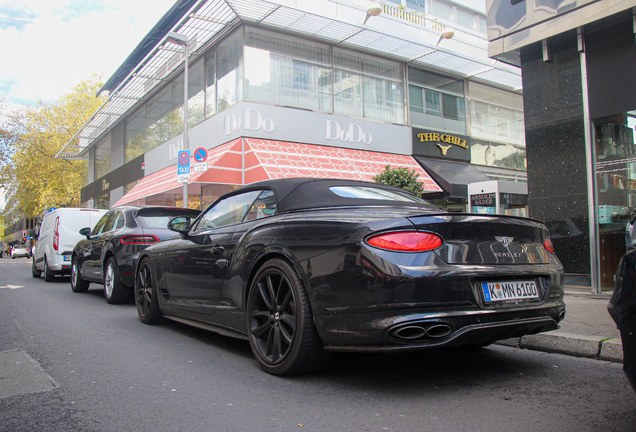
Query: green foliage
x=31, y=137
x=401, y=177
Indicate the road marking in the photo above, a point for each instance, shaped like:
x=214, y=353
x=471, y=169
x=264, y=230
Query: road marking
x=12, y=286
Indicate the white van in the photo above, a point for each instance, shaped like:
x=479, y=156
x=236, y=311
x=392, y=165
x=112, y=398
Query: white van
x=57, y=237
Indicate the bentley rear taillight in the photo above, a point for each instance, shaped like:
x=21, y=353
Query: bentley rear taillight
x=549, y=246
x=406, y=241
x=139, y=239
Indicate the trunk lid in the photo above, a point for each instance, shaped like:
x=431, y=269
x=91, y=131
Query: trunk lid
x=481, y=239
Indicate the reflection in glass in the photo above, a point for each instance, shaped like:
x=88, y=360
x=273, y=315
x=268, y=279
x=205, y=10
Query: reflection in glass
x=102, y=158
x=287, y=71
x=501, y=155
x=228, y=211
x=615, y=188
x=228, y=71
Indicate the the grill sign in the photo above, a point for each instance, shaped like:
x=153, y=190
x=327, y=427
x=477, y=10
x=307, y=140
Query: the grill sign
x=517, y=290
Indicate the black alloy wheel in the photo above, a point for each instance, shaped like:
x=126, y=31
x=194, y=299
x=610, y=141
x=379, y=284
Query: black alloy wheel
x=280, y=322
x=78, y=284
x=146, y=293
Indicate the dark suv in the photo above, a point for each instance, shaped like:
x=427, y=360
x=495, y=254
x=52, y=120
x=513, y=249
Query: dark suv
x=109, y=254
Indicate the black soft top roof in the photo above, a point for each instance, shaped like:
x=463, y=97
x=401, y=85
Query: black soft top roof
x=307, y=193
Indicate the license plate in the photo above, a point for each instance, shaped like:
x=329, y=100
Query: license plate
x=67, y=257
x=513, y=290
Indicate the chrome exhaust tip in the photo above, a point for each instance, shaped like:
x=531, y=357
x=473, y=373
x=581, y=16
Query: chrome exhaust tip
x=410, y=332
x=418, y=331
x=439, y=330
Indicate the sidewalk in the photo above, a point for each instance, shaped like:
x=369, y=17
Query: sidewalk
x=587, y=330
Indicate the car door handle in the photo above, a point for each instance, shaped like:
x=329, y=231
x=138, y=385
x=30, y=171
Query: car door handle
x=217, y=250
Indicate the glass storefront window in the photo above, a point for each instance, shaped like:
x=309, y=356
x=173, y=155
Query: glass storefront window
x=102, y=158
x=228, y=71
x=209, y=193
x=368, y=87
x=433, y=105
x=615, y=189
x=210, y=84
x=156, y=121
x=287, y=71
x=496, y=115
x=436, y=101
x=500, y=155
x=196, y=93
x=438, y=110
x=102, y=202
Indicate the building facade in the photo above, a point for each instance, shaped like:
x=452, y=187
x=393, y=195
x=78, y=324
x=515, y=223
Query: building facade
x=296, y=88
x=578, y=65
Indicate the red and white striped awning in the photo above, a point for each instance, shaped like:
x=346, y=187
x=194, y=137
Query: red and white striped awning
x=248, y=160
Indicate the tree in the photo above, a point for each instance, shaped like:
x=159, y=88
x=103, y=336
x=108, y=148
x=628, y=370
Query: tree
x=29, y=140
x=401, y=177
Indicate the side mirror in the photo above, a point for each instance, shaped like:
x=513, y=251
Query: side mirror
x=180, y=224
x=85, y=232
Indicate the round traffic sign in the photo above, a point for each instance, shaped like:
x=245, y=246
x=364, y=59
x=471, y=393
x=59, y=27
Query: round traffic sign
x=184, y=158
x=200, y=154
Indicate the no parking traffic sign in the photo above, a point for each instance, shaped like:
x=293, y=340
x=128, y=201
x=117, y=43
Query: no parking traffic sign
x=183, y=166
x=200, y=155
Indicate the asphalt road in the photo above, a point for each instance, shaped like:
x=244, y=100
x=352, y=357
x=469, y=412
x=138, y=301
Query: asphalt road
x=109, y=372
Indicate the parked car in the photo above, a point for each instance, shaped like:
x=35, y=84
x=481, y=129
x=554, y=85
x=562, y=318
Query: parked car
x=305, y=267
x=108, y=254
x=622, y=308
x=20, y=250
x=58, y=235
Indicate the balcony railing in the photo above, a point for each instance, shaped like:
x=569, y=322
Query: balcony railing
x=421, y=19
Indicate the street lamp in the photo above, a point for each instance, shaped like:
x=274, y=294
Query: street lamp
x=374, y=9
x=181, y=39
x=446, y=33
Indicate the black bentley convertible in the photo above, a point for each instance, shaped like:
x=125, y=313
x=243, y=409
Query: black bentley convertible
x=305, y=267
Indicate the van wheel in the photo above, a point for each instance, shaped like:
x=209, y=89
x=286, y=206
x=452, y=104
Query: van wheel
x=114, y=291
x=48, y=274
x=78, y=284
x=34, y=270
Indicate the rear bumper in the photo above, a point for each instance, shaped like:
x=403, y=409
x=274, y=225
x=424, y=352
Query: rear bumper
x=58, y=266
x=413, y=331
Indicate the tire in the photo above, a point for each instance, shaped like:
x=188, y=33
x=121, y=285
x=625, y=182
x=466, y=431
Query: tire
x=280, y=325
x=34, y=270
x=48, y=274
x=12, y=256
x=146, y=298
x=78, y=284
x=115, y=292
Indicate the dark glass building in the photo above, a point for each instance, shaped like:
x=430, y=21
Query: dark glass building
x=578, y=63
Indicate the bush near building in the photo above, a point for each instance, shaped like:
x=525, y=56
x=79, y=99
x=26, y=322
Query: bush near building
x=401, y=177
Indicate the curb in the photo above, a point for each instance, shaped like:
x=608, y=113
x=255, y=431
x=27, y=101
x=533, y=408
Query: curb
x=595, y=347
